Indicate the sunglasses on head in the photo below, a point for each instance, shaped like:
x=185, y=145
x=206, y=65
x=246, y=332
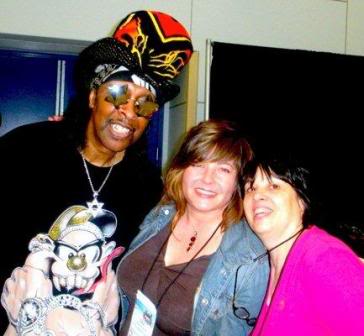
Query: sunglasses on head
x=144, y=106
x=241, y=312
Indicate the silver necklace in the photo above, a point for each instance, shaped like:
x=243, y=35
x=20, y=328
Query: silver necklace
x=95, y=206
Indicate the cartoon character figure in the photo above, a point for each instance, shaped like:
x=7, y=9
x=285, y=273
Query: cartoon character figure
x=81, y=254
x=67, y=277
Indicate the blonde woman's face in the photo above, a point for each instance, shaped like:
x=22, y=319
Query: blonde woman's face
x=209, y=186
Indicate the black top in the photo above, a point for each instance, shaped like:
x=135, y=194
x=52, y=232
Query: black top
x=42, y=174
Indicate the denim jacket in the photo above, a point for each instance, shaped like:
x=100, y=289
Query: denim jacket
x=212, y=311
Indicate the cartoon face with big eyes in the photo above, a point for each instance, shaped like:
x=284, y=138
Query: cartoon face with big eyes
x=80, y=251
x=79, y=258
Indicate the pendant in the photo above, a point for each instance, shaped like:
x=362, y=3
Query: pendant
x=95, y=206
x=192, y=241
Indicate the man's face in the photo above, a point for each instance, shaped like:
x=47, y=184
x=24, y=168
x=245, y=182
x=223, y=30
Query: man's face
x=113, y=128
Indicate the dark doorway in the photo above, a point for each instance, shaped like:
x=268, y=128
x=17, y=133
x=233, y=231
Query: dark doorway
x=303, y=102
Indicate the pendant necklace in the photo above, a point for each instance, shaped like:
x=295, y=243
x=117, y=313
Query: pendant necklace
x=95, y=206
x=192, y=239
x=183, y=268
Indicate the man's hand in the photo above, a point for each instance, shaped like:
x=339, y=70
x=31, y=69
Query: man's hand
x=25, y=282
x=55, y=118
x=32, y=281
x=106, y=295
x=29, y=281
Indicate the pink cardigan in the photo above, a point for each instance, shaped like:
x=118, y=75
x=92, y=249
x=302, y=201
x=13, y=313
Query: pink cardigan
x=320, y=290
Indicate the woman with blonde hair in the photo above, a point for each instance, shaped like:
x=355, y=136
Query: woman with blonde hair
x=194, y=257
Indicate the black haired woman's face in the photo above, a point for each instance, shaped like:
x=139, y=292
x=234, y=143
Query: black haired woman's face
x=272, y=207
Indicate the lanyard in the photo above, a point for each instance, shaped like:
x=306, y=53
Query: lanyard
x=183, y=268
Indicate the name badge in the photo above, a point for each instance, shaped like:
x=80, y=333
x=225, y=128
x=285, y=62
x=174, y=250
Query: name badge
x=143, y=317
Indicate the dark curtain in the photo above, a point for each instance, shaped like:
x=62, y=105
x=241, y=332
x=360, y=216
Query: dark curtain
x=307, y=103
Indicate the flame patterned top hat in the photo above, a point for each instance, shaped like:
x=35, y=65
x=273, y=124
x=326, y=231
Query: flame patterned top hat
x=151, y=45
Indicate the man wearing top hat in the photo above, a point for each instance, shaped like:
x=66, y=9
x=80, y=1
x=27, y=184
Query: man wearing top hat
x=95, y=156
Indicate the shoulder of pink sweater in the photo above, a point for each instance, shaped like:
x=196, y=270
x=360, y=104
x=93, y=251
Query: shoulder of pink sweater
x=322, y=241
x=318, y=246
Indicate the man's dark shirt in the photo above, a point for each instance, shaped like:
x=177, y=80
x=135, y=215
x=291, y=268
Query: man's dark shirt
x=42, y=174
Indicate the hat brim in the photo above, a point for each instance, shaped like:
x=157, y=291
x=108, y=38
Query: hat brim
x=110, y=51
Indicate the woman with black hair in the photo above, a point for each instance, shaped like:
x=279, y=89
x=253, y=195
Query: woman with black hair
x=316, y=282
